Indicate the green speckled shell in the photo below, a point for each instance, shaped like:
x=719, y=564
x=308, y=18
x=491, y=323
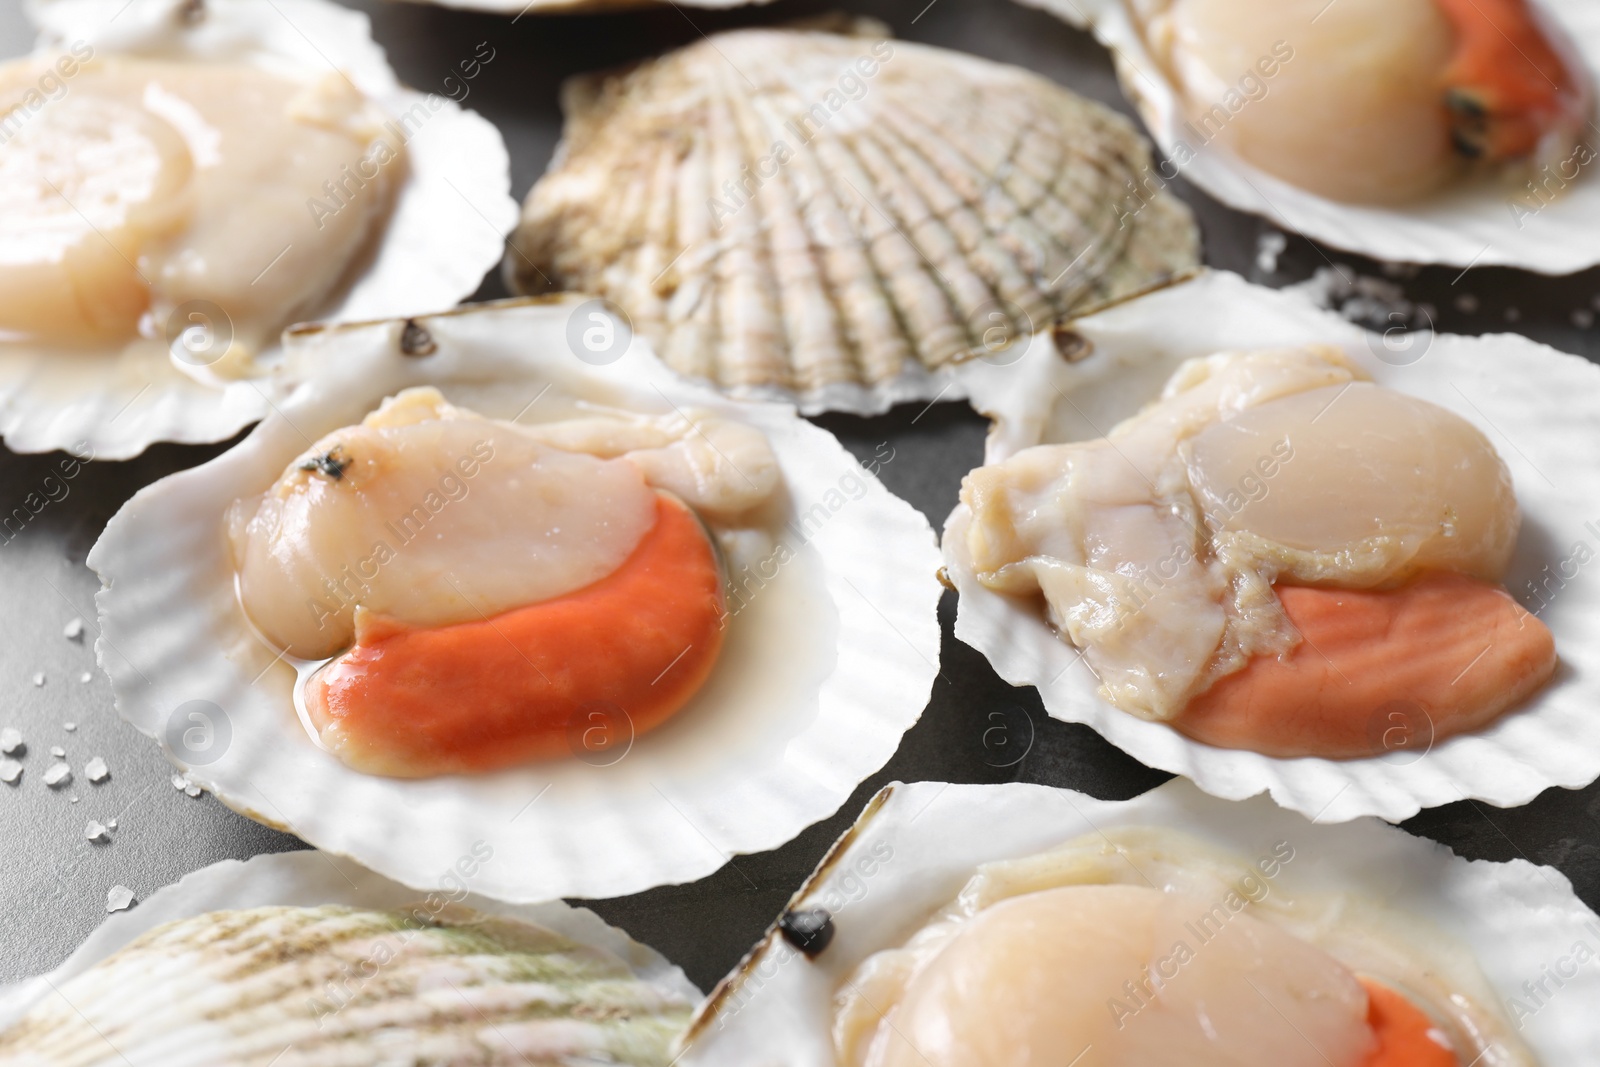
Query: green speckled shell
x=335, y=986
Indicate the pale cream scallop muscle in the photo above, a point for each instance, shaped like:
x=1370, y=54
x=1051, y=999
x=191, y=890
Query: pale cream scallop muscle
x=1156, y=548
x=1370, y=101
x=155, y=183
x=431, y=515
x=1027, y=983
x=1352, y=113
x=1141, y=946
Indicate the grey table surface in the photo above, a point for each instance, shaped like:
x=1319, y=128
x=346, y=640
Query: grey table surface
x=53, y=881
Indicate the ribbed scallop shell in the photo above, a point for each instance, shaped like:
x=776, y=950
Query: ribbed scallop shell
x=831, y=647
x=300, y=986
x=824, y=216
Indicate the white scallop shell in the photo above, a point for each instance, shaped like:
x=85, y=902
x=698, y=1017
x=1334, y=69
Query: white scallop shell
x=915, y=846
x=1535, y=404
x=903, y=208
x=293, y=879
x=820, y=674
x=444, y=232
x=1465, y=227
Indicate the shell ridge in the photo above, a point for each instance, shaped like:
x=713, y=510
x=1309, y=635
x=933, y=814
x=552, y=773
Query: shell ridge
x=807, y=307
x=914, y=283
x=931, y=235
x=825, y=210
x=1006, y=276
x=748, y=322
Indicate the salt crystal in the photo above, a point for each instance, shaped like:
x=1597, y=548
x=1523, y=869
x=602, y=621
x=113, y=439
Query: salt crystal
x=38, y=679
x=1364, y=300
x=118, y=898
x=70, y=727
x=179, y=782
x=58, y=775
x=10, y=770
x=72, y=800
x=10, y=741
x=111, y=824
x=1269, y=246
x=58, y=752
x=96, y=770
x=73, y=630
x=85, y=676
x=95, y=832
x=192, y=790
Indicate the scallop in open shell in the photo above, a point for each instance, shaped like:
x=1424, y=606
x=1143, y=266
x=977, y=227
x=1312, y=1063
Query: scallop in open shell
x=1495, y=390
x=302, y=958
x=841, y=218
x=1426, y=131
x=828, y=632
x=186, y=179
x=922, y=890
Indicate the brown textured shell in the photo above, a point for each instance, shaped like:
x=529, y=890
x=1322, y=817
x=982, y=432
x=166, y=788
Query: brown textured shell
x=822, y=215
x=311, y=986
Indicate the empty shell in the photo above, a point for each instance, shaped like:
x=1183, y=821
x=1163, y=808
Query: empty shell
x=835, y=218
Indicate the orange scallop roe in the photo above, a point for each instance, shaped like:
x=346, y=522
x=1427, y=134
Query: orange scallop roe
x=577, y=675
x=1379, y=670
x=1404, y=1033
x=1506, y=86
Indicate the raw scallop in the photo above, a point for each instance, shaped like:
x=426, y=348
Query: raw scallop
x=137, y=302
x=1371, y=125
